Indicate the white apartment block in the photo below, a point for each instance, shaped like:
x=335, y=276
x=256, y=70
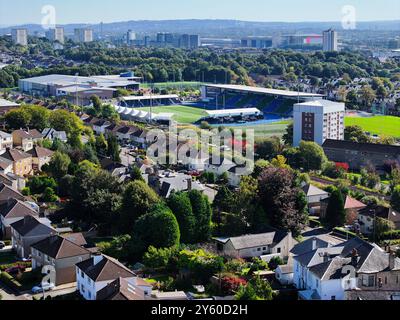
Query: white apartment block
x=20, y=36
x=330, y=40
x=56, y=34
x=83, y=35
x=318, y=121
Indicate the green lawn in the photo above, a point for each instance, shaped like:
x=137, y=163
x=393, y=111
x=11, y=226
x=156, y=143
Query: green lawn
x=266, y=130
x=380, y=125
x=183, y=114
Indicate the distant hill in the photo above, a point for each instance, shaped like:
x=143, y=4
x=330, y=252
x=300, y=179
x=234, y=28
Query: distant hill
x=208, y=28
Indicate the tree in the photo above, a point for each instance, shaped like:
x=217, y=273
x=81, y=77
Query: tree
x=158, y=228
x=17, y=119
x=282, y=200
x=49, y=195
x=311, y=156
x=137, y=199
x=202, y=212
x=356, y=134
x=367, y=95
x=58, y=166
x=383, y=226
x=395, y=200
x=181, y=206
x=157, y=258
x=114, y=149
x=288, y=136
x=101, y=145
x=335, y=212
x=136, y=174
x=269, y=148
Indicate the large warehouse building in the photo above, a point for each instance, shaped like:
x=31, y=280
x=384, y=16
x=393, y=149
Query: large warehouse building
x=50, y=85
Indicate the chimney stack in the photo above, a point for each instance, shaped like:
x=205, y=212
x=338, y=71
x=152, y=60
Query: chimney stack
x=97, y=257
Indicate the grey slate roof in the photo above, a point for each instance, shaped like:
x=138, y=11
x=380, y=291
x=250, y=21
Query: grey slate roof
x=30, y=226
x=257, y=240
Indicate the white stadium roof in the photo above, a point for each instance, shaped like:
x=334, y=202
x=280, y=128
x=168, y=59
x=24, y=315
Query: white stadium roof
x=143, y=115
x=233, y=112
x=275, y=92
x=149, y=97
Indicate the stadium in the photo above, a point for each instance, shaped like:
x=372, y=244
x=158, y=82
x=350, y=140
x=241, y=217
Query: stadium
x=232, y=104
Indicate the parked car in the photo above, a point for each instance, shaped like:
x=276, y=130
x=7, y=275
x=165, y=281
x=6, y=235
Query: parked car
x=2, y=245
x=43, y=287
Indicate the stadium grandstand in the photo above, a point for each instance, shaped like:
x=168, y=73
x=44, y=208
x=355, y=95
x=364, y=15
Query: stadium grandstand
x=271, y=102
x=232, y=115
x=148, y=100
x=138, y=115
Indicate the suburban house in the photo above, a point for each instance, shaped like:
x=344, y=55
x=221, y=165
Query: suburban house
x=52, y=134
x=100, y=126
x=7, y=192
x=353, y=266
x=113, y=129
x=122, y=290
x=167, y=182
x=12, y=211
x=265, y=245
x=22, y=161
x=28, y=231
x=40, y=157
x=6, y=166
x=285, y=274
x=139, y=138
x=314, y=198
x=96, y=273
x=116, y=169
x=61, y=253
x=125, y=133
x=367, y=216
x=6, y=141
x=12, y=180
x=351, y=207
x=357, y=155
x=26, y=138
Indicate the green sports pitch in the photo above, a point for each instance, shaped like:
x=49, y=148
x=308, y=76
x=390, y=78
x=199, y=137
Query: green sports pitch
x=380, y=125
x=182, y=114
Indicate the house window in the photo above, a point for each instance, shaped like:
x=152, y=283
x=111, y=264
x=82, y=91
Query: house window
x=90, y=295
x=83, y=288
x=333, y=298
x=371, y=281
x=278, y=250
x=258, y=249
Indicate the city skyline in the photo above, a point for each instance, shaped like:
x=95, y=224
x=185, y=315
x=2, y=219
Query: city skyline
x=92, y=12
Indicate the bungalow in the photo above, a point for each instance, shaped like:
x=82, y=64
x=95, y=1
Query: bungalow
x=26, y=138
x=116, y=169
x=12, y=211
x=40, y=157
x=22, y=161
x=169, y=182
x=52, y=134
x=28, y=231
x=61, y=253
x=265, y=245
x=96, y=273
x=367, y=216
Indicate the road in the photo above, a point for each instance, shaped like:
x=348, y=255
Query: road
x=9, y=295
x=56, y=293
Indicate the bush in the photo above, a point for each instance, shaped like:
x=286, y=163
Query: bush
x=9, y=281
x=275, y=263
x=231, y=285
x=391, y=235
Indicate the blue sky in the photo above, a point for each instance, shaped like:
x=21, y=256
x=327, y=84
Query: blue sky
x=14, y=12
